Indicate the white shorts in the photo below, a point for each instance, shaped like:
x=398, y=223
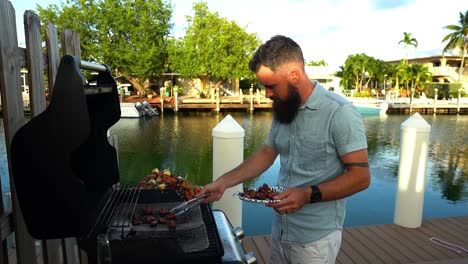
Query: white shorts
x=321, y=251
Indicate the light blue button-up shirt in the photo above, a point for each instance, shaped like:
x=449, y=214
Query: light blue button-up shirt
x=327, y=126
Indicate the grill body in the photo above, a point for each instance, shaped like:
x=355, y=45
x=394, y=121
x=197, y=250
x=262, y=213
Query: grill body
x=67, y=178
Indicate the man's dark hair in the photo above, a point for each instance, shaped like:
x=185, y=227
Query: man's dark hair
x=276, y=52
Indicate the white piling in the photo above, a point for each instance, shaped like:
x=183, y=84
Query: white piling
x=257, y=96
x=414, y=146
x=251, y=99
x=435, y=100
x=217, y=99
x=176, y=102
x=162, y=92
x=228, y=153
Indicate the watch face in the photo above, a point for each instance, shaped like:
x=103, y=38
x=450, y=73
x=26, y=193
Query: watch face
x=316, y=195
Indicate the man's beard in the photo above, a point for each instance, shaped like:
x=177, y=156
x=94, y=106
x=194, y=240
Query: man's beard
x=286, y=110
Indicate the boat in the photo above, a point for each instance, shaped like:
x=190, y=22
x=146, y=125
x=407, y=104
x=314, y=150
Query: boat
x=138, y=109
x=372, y=108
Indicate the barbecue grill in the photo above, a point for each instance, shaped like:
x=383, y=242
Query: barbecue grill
x=67, y=183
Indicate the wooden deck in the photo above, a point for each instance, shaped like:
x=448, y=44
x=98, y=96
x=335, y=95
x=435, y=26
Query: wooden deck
x=389, y=243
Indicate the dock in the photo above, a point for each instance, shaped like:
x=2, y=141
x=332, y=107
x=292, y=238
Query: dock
x=233, y=103
x=390, y=243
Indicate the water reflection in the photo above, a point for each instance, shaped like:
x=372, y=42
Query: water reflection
x=183, y=143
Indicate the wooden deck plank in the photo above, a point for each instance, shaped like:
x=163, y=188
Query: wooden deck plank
x=263, y=246
x=449, y=229
x=350, y=252
x=249, y=245
x=391, y=243
x=361, y=248
x=343, y=258
x=404, y=243
x=371, y=246
x=423, y=239
x=422, y=242
x=395, y=244
x=384, y=244
x=459, y=221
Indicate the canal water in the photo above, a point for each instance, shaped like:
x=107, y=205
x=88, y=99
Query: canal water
x=182, y=142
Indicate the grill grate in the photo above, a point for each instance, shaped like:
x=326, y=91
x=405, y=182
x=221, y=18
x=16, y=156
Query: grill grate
x=119, y=208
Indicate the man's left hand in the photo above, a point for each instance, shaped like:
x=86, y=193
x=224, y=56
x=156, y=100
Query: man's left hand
x=292, y=199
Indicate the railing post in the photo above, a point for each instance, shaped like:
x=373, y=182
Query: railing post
x=176, y=103
x=251, y=99
x=13, y=118
x=257, y=95
x=228, y=153
x=414, y=148
x=411, y=100
x=162, y=92
x=217, y=99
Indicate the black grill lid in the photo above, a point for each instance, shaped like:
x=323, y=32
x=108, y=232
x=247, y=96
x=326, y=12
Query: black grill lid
x=62, y=162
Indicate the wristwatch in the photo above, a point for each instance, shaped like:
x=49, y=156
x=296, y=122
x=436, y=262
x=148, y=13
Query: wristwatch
x=316, y=195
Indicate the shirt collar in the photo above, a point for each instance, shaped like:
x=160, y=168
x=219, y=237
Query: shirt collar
x=315, y=97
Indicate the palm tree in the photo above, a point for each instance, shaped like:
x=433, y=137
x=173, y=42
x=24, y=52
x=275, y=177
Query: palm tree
x=458, y=39
x=408, y=41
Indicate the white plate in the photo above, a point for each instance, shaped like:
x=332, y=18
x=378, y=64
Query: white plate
x=250, y=200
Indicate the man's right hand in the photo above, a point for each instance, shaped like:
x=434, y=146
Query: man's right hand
x=215, y=189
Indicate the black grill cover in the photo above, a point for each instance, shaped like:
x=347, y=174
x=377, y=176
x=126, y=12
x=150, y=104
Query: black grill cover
x=61, y=160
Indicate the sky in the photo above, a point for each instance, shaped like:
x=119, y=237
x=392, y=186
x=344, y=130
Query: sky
x=329, y=30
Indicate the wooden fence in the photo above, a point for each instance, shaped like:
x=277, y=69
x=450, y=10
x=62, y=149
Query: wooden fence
x=12, y=59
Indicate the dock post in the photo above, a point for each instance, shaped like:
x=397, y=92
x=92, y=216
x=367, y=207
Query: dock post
x=176, y=102
x=411, y=100
x=414, y=148
x=217, y=99
x=162, y=92
x=228, y=153
x=251, y=99
x=435, y=100
x=257, y=96
x=241, y=96
x=459, y=100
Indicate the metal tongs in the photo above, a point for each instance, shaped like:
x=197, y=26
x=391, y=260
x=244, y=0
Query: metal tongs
x=185, y=206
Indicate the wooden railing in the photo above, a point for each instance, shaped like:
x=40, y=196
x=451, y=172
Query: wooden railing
x=12, y=59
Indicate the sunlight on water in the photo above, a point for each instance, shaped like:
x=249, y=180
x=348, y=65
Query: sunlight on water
x=183, y=143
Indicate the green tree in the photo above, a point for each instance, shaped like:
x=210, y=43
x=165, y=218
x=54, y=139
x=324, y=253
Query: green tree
x=128, y=35
x=213, y=49
x=317, y=63
x=419, y=73
x=358, y=71
x=458, y=39
x=408, y=41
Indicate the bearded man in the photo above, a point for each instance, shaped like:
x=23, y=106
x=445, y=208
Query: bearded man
x=320, y=139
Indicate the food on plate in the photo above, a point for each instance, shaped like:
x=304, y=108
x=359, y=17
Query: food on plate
x=162, y=180
x=264, y=192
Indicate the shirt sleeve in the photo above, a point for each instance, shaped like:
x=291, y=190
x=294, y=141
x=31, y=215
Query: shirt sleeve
x=271, y=138
x=348, y=130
